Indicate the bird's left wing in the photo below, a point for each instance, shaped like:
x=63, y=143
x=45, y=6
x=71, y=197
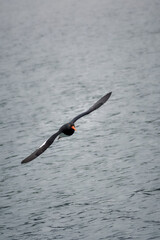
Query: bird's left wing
x=95, y=106
x=42, y=148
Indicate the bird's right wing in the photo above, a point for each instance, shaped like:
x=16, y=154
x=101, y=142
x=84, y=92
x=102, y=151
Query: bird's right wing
x=95, y=106
x=41, y=149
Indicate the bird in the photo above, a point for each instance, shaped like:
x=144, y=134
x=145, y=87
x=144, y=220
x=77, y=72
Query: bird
x=66, y=130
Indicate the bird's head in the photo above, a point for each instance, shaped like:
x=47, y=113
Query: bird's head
x=71, y=125
x=68, y=129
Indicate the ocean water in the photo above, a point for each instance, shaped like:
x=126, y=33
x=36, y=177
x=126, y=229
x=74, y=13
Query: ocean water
x=56, y=59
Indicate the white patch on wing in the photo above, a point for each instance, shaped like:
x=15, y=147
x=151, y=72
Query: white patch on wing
x=43, y=144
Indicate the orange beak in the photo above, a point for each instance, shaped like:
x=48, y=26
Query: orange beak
x=73, y=128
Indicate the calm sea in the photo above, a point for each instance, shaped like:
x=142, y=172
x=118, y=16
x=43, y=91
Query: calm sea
x=56, y=59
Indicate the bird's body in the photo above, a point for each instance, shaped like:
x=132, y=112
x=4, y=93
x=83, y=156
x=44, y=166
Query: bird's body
x=66, y=130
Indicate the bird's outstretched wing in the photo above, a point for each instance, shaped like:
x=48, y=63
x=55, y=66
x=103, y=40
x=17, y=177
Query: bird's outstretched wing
x=98, y=104
x=41, y=149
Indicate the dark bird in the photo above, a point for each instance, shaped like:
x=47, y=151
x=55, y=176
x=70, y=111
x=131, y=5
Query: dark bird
x=66, y=130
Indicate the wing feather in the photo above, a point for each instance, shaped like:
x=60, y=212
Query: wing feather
x=95, y=106
x=41, y=149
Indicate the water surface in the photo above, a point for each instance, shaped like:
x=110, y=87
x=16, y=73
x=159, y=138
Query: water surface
x=56, y=59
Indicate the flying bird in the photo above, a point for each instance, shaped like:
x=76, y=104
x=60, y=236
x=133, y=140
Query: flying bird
x=66, y=130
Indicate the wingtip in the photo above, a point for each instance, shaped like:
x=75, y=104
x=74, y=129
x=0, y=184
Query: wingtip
x=26, y=160
x=108, y=95
x=23, y=161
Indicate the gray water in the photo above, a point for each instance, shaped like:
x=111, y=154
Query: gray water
x=56, y=59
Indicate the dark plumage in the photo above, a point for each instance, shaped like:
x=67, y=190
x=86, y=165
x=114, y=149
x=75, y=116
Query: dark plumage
x=66, y=130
